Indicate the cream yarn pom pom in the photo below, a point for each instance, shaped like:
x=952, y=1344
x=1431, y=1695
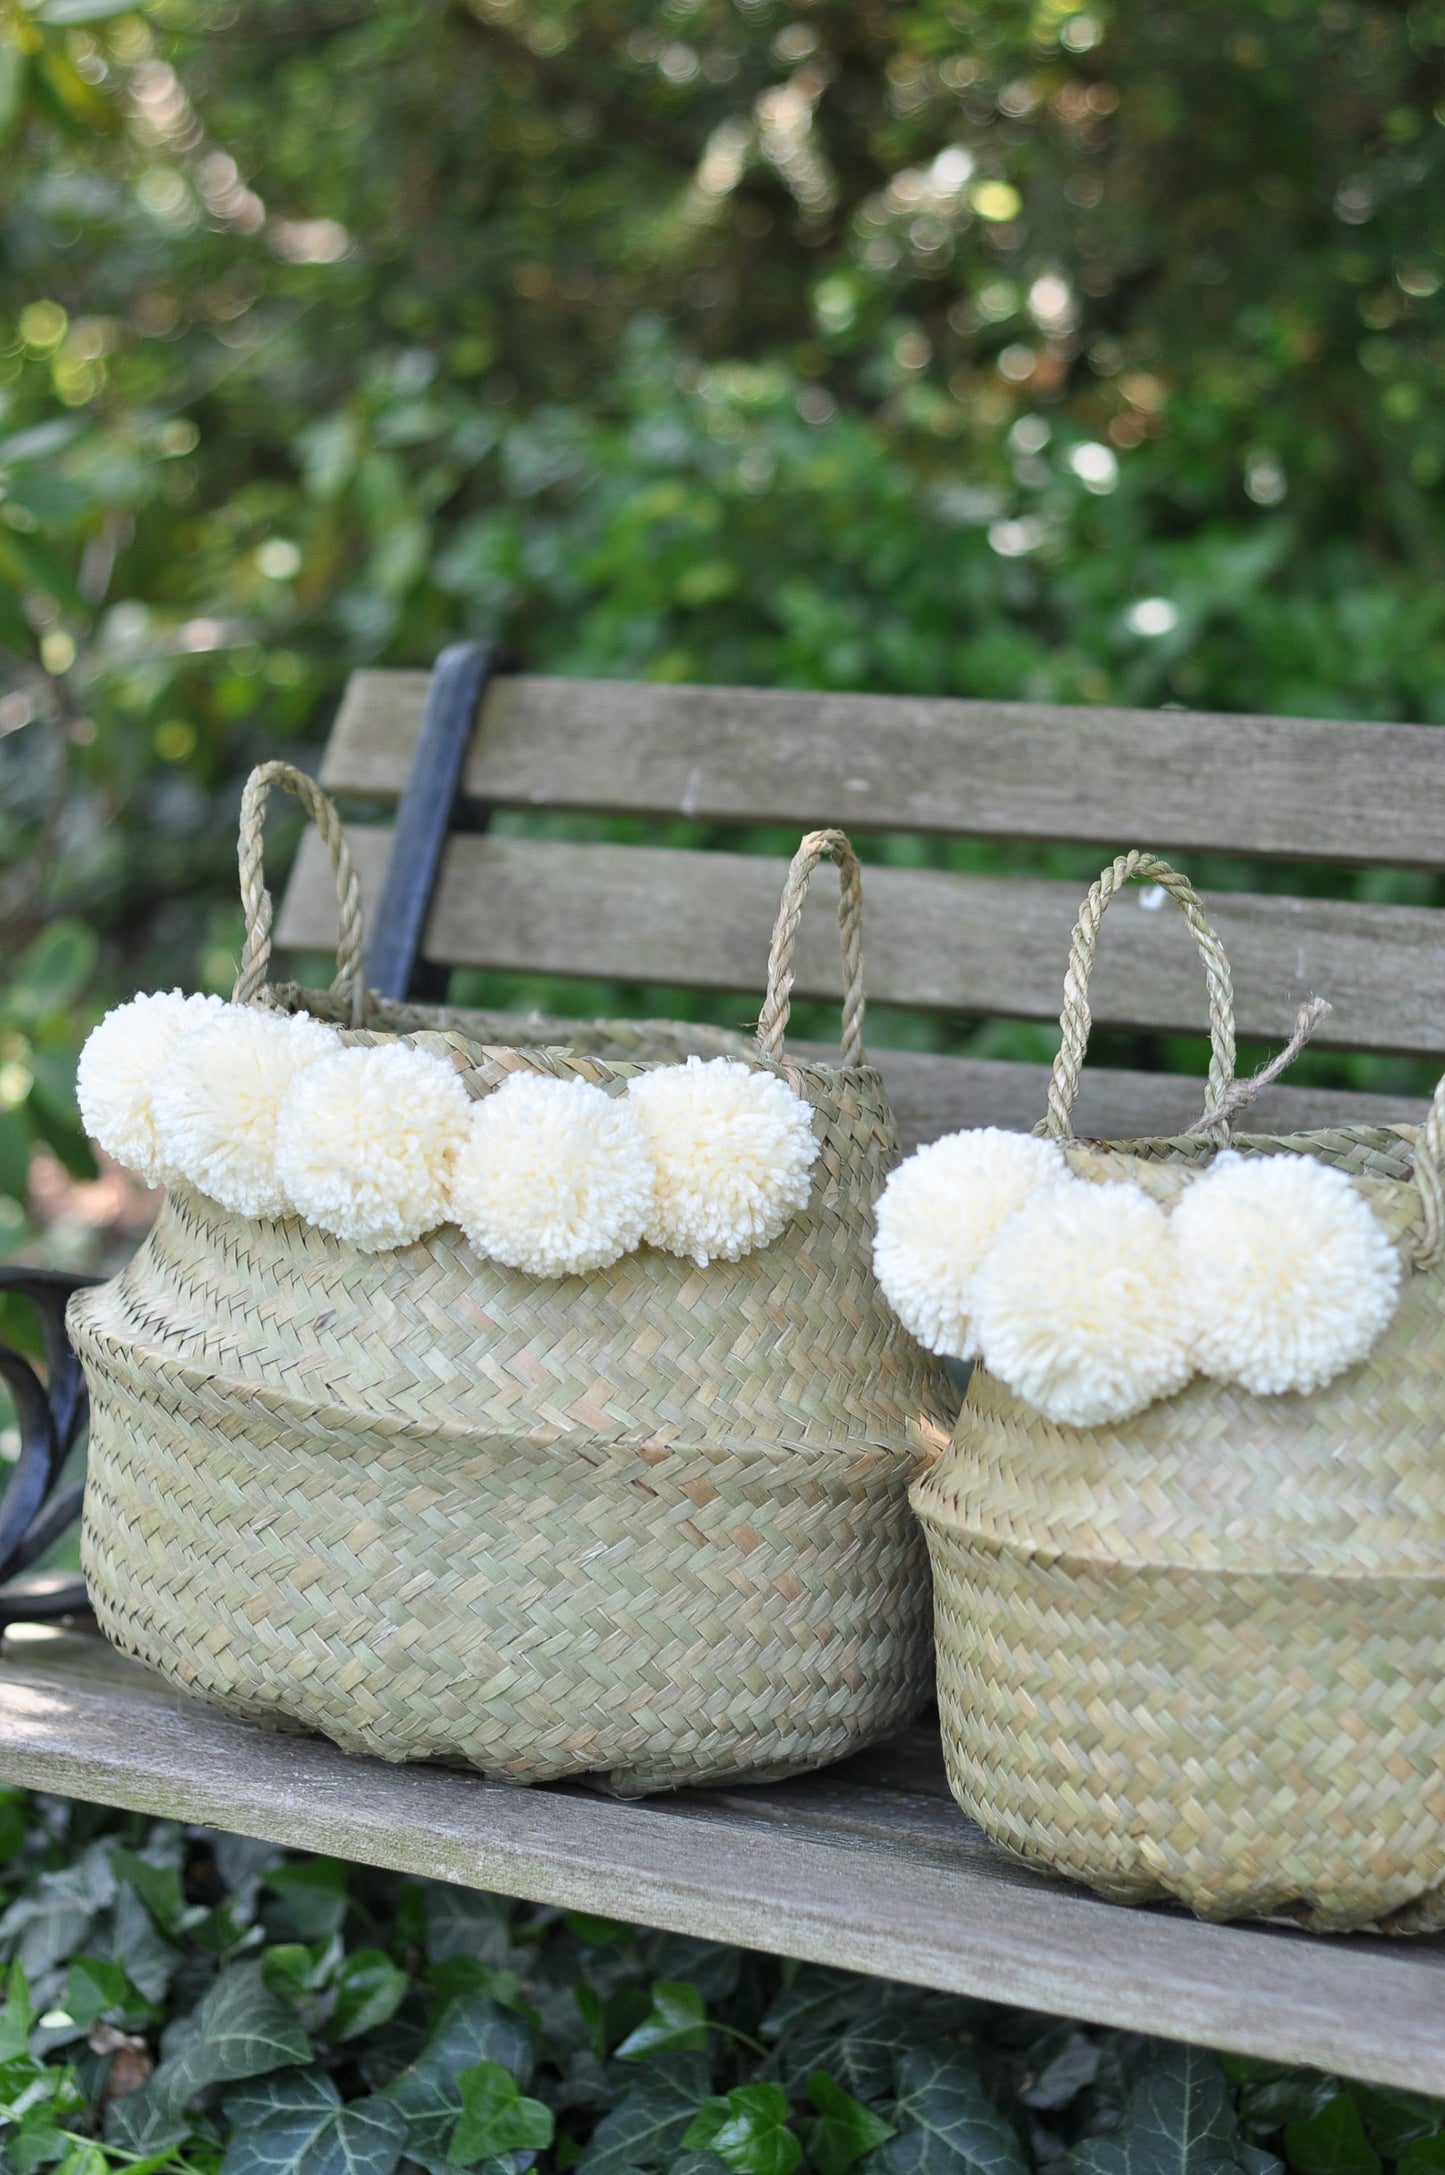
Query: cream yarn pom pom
x=732, y=1150
x=1078, y=1306
x=936, y=1218
x=554, y=1176
x=366, y=1140
x=1290, y=1276
x=217, y=1098
x=118, y=1068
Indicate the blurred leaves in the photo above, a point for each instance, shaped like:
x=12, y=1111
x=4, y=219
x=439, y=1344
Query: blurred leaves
x=1053, y=352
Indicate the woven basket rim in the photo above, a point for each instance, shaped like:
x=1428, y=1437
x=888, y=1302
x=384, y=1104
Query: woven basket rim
x=1188, y=1145
x=294, y=998
x=1072, y=1561
x=131, y=1359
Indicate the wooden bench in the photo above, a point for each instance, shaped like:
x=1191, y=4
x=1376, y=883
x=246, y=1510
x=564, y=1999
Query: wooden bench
x=869, y=1865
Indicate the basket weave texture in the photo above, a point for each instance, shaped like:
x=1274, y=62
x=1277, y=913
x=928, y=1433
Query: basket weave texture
x=646, y=1526
x=1201, y=1653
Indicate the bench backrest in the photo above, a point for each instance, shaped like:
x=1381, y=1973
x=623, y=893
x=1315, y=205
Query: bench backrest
x=958, y=945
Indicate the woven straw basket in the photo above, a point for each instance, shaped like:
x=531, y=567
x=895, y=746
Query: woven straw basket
x=1201, y=1653
x=647, y=1526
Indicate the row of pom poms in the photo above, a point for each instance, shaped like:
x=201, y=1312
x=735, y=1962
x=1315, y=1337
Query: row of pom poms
x=1089, y=1302
x=271, y=1115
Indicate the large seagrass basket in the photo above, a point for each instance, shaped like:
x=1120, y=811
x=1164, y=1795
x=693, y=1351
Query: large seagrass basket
x=1201, y=1653
x=646, y=1526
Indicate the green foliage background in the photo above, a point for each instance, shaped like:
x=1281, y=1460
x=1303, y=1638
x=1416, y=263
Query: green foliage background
x=1023, y=348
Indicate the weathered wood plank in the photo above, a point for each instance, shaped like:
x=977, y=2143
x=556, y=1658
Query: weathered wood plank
x=978, y=945
x=1290, y=787
x=891, y=1882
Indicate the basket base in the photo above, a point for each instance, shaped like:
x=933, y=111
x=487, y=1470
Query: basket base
x=644, y=1616
x=1165, y=1737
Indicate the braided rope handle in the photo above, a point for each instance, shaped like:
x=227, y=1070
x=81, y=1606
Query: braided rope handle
x=1076, y=1019
x=777, y=1004
x=251, y=981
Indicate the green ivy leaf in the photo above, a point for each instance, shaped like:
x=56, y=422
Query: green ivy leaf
x=1179, y=2120
x=88, y=2158
x=1271, y=2094
x=460, y=1975
x=645, y=2129
x=946, y=2122
x=290, y=1969
x=288, y=2107
x=240, y=2029
x=159, y=1888
x=1333, y=2142
x=677, y=2019
x=845, y=2128
x=1423, y=2156
x=93, y=1987
x=858, y=2033
x=748, y=2129
x=17, y=2016
x=312, y=1898
x=1394, y=2119
x=369, y=1990
x=149, y=1960
x=295, y=2124
x=429, y=2093
x=495, y=2118
x=1061, y=2065
x=461, y=1922
x=54, y=1918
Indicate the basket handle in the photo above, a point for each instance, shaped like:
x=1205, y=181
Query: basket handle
x=1075, y=1019
x=350, y=982
x=777, y=1004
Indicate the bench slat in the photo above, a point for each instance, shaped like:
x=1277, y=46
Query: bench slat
x=970, y=944
x=1288, y=787
x=840, y=1869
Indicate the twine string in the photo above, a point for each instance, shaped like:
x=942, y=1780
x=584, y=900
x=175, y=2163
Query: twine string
x=1076, y=1019
x=777, y=1004
x=256, y=905
x=1240, y=1093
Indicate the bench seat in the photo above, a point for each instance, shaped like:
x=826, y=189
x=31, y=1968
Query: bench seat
x=493, y=782
x=869, y=1865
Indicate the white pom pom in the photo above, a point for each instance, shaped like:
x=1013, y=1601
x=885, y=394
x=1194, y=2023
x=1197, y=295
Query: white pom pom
x=366, y=1140
x=732, y=1149
x=218, y=1096
x=554, y=1176
x=937, y=1216
x=118, y=1069
x=1077, y=1305
x=1289, y=1276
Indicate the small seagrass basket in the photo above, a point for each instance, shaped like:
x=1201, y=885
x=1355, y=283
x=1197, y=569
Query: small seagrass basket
x=646, y=1526
x=1201, y=1653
